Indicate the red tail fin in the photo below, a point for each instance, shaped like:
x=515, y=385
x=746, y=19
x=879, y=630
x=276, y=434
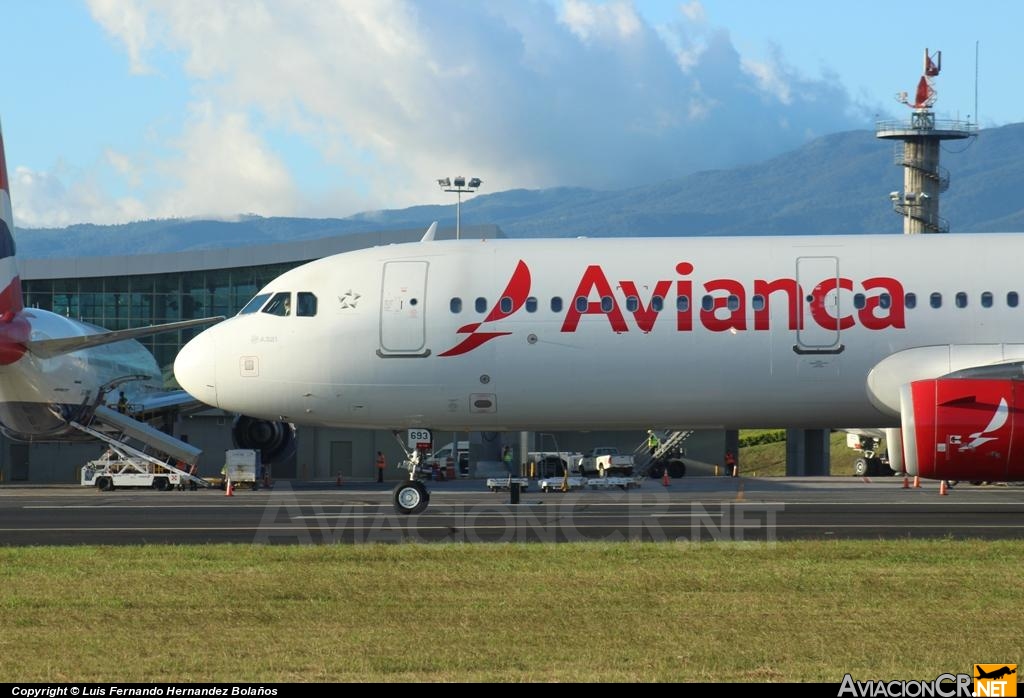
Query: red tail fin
x=10, y=281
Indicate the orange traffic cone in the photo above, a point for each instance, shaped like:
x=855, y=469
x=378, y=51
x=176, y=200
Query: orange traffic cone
x=906, y=482
x=665, y=480
x=917, y=481
x=229, y=491
x=943, y=488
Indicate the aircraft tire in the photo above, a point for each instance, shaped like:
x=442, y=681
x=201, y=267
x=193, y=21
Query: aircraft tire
x=105, y=484
x=410, y=497
x=860, y=467
x=676, y=469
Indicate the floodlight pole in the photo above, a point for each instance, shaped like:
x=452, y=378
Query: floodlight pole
x=458, y=186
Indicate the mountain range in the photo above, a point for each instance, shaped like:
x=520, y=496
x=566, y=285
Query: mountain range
x=836, y=184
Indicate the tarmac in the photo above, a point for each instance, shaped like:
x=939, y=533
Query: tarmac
x=693, y=509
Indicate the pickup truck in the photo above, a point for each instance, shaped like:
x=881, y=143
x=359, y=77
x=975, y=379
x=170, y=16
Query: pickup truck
x=605, y=461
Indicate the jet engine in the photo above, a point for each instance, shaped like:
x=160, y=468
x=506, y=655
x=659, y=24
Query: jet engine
x=964, y=428
x=274, y=440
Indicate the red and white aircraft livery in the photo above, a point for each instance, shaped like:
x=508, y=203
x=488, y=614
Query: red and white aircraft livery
x=57, y=374
x=922, y=334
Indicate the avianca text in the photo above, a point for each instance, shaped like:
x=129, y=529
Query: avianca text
x=882, y=306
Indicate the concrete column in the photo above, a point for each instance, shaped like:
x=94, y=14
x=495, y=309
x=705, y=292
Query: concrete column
x=732, y=443
x=524, y=448
x=807, y=452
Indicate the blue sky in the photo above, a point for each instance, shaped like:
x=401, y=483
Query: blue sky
x=119, y=110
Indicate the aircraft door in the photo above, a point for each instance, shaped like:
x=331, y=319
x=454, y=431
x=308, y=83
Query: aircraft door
x=402, y=309
x=818, y=280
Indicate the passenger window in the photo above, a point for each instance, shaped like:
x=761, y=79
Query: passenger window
x=757, y=302
x=556, y=304
x=733, y=303
x=884, y=300
x=986, y=299
x=961, y=300
x=531, y=305
x=280, y=304
x=582, y=304
x=707, y=303
x=455, y=305
x=657, y=303
x=682, y=303
x=910, y=300
x=1012, y=299
x=607, y=304
x=255, y=304
x=505, y=304
x=307, y=304
x=858, y=301
x=632, y=304
x=936, y=300
x=481, y=305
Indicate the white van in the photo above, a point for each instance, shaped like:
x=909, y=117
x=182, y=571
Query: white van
x=456, y=454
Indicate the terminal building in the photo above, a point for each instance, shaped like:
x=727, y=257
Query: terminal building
x=120, y=292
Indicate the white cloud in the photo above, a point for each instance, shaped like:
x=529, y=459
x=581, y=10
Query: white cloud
x=769, y=79
x=393, y=94
x=591, y=20
x=127, y=22
x=64, y=197
x=224, y=170
x=693, y=11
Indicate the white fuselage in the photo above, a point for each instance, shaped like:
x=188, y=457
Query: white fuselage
x=791, y=328
x=38, y=396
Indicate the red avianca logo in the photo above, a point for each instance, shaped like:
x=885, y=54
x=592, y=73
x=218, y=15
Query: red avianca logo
x=726, y=310
x=518, y=289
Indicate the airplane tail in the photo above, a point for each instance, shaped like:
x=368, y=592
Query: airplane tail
x=10, y=281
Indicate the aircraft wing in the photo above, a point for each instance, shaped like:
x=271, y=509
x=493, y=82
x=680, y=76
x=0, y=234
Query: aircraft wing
x=149, y=405
x=49, y=348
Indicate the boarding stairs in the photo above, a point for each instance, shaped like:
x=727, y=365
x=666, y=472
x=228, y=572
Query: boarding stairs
x=114, y=429
x=669, y=441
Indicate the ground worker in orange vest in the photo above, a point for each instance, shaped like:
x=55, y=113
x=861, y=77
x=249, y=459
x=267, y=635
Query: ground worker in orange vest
x=730, y=464
x=381, y=464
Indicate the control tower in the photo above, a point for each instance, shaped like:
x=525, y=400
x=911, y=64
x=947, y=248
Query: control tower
x=923, y=178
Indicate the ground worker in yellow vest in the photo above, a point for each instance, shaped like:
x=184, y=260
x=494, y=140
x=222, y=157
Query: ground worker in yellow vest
x=652, y=441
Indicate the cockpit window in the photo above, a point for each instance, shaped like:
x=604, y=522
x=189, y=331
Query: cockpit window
x=307, y=304
x=255, y=304
x=280, y=304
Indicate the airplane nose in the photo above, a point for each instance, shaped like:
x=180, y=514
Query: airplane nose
x=196, y=369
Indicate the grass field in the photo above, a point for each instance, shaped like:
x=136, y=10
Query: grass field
x=802, y=611
x=767, y=460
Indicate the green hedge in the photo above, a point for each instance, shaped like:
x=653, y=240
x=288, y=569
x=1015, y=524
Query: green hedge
x=763, y=437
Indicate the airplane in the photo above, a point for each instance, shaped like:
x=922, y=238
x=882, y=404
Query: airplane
x=995, y=673
x=919, y=335
x=59, y=377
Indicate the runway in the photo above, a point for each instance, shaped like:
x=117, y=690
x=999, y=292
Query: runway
x=695, y=509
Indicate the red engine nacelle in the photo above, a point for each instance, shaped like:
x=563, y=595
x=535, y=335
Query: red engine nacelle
x=964, y=429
